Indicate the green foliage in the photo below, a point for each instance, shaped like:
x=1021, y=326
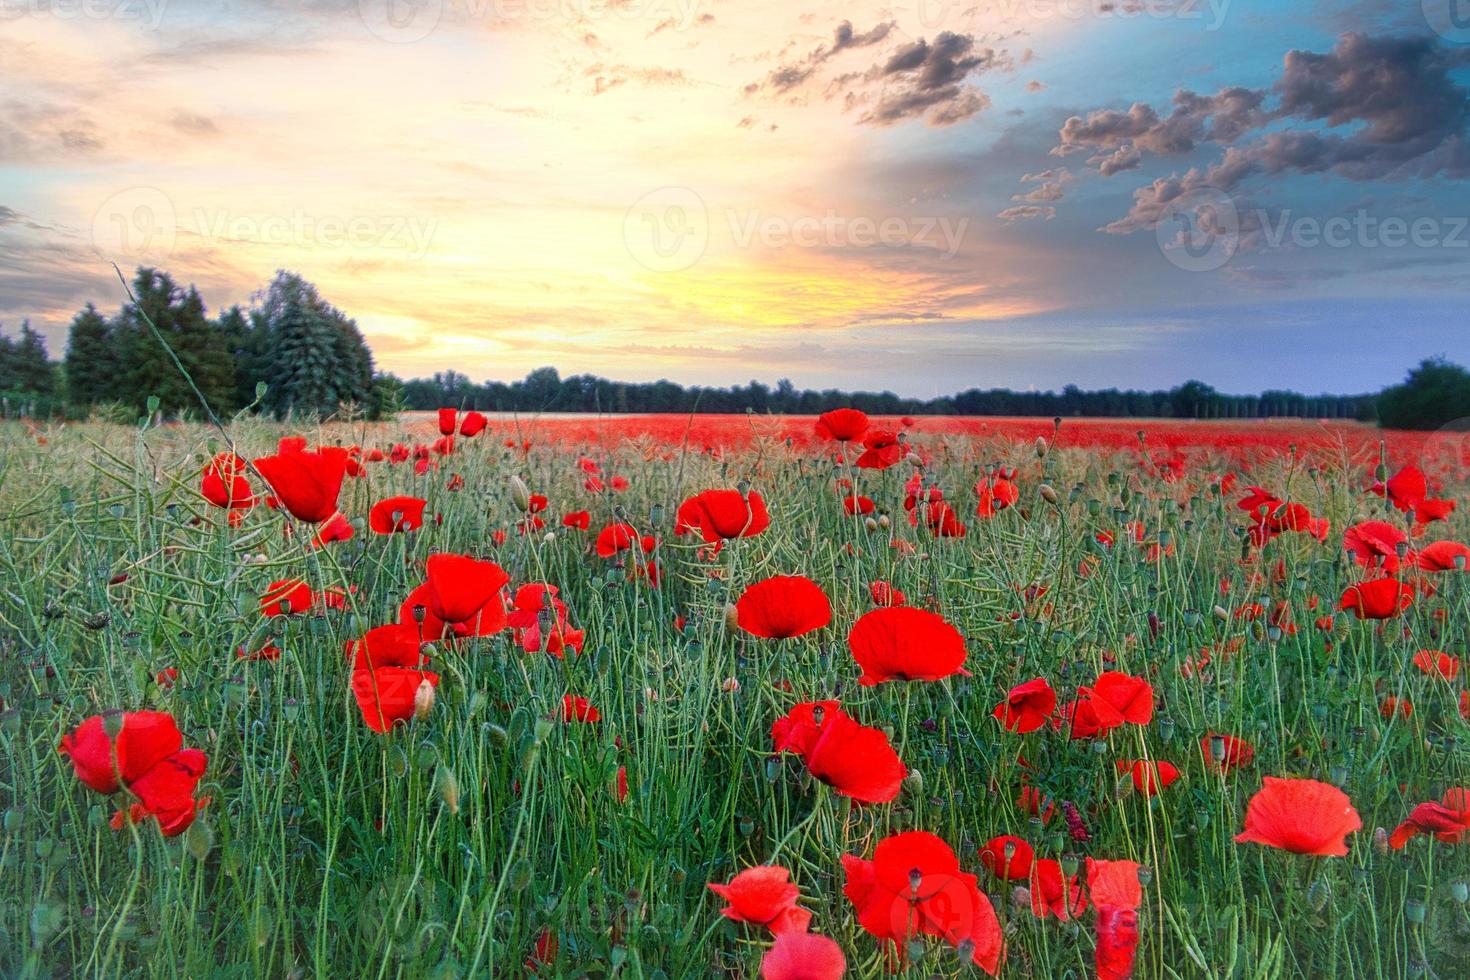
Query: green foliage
x=317, y=358
x=91, y=360
x=179, y=317
x=1434, y=394
x=27, y=377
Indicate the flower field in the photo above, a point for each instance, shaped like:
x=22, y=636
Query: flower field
x=734, y=696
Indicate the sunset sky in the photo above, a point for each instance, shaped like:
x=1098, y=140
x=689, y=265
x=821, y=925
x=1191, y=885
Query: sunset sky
x=920, y=197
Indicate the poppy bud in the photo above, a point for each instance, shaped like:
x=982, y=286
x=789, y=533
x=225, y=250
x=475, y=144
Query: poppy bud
x=1048, y=494
x=729, y=685
x=913, y=459
x=423, y=700
x=549, y=537
x=883, y=521
x=520, y=494
x=1040, y=446
x=914, y=782
x=1021, y=898
x=870, y=524
x=1318, y=894
x=1221, y=613
x=732, y=618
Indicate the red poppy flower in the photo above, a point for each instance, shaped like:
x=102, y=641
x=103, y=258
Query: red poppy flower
x=855, y=760
x=913, y=886
x=764, y=896
x=615, y=538
x=803, y=956
x=1226, y=752
x=306, y=483
x=579, y=519
x=1381, y=598
x=1300, y=815
x=223, y=483
x=285, y=597
x=886, y=595
x=1053, y=893
x=855, y=505
x=941, y=519
x=783, y=606
x=578, y=708
x=166, y=792
x=1437, y=663
x=903, y=643
x=995, y=496
x=1116, y=894
x=1028, y=707
x=1375, y=544
x=335, y=528
x=1117, y=697
x=472, y=425
x=386, y=695
x=394, y=514
x=798, y=730
x=1443, y=556
x=842, y=425
x=1008, y=858
x=881, y=450
x=1150, y=777
x=1448, y=820
x=394, y=645
x=145, y=739
x=720, y=515
x=448, y=420
x=1079, y=717
x=465, y=592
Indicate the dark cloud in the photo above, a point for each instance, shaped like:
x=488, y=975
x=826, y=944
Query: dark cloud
x=922, y=78
x=788, y=77
x=1377, y=108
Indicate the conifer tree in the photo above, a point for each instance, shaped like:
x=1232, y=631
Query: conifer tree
x=91, y=360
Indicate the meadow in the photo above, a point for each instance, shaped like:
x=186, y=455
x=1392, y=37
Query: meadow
x=454, y=696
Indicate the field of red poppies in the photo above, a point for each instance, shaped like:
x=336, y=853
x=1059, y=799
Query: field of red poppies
x=733, y=696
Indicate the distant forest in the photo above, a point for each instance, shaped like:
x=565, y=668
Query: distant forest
x=292, y=353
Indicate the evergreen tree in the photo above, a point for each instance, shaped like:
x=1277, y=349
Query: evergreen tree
x=91, y=360
x=303, y=366
x=179, y=316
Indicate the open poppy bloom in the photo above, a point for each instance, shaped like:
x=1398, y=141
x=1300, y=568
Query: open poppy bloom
x=901, y=643
x=285, y=597
x=995, y=495
x=1053, y=893
x=1116, y=894
x=764, y=896
x=1028, y=707
x=472, y=424
x=579, y=519
x=842, y=425
x=616, y=538
x=1226, y=752
x=721, y=515
x=1443, y=556
x=394, y=645
x=884, y=594
x=393, y=514
x=1382, y=598
x=803, y=956
x=306, y=483
x=462, y=593
x=1116, y=698
x=387, y=695
x=574, y=707
x=881, y=450
x=223, y=483
x=1448, y=820
x=1375, y=545
x=1408, y=490
x=783, y=606
x=1150, y=777
x=855, y=760
x=1008, y=858
x=1438, y=664
x=914, y=886
x=1300, y=815
x=147, y=759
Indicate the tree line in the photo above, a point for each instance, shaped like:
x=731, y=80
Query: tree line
x=290, y=352
x=544, y=390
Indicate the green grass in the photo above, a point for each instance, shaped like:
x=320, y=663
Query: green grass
x=446, y=847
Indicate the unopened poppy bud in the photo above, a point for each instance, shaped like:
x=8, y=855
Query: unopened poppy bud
x=1040, y=445
x=1318, y=894
x=1021, y=898
x=1380, y=840
x=870, y=523
x=448, y=789
x=423, y=700
x=914, y=782
x=732, y=617
x=729, y=685
x=1048, y=494
x=913, y=459
x=112, y=723
x=1221, y=613
x=883, y=521
x=548, y=537
x=520, y=494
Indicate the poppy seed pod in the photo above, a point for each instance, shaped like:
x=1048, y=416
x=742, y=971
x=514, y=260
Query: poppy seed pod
x=1048, y=494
